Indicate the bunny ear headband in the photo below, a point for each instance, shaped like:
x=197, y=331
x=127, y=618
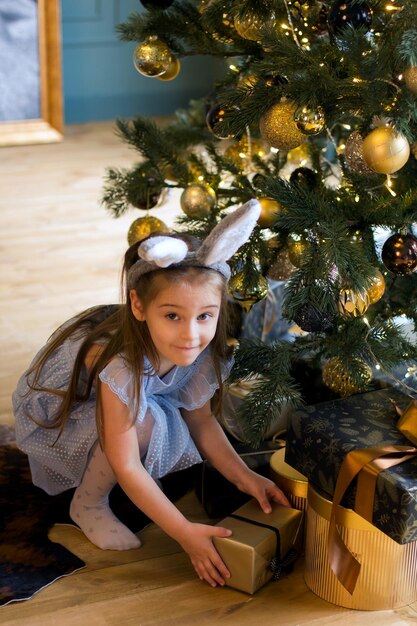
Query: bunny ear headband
x=219, y=246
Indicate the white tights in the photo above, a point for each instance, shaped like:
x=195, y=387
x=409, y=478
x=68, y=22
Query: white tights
x=90, y=509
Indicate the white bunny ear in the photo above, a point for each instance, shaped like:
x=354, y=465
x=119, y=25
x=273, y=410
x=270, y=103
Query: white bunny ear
x=163, y=251
x=229, y=234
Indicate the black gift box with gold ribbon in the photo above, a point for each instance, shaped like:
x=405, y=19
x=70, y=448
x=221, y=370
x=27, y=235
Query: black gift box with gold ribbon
x=319, y=438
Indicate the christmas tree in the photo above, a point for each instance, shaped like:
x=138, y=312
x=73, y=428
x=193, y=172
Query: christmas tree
x=316, y=117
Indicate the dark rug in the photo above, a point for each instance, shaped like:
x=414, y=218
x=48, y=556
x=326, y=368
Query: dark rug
x=29, y=560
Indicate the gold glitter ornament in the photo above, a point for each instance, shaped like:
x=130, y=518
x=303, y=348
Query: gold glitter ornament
x=310, y=121
x=336, y=378
x=172, y=71
x=143, y=227
x=353, y=303
x=197, y=200
x=244, y=296
x=377, y=289
x=297, y=249
x=152, y=57
x=278, y=128
x=410, y=78
x=270, y=209
x=385, y=151
x=354, y=155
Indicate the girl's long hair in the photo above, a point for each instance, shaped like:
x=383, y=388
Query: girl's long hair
x=118, y=332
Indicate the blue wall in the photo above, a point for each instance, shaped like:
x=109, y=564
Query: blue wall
x=100, y=81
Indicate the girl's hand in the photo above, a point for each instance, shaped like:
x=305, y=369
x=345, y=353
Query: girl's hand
x=264, y=491
x=205, y=559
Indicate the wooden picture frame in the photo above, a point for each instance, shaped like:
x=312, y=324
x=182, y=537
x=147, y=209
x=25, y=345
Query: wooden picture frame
x=49, y=127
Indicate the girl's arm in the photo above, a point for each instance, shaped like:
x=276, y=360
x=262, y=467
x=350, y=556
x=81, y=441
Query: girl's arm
x=213, y=444
x=121, y=448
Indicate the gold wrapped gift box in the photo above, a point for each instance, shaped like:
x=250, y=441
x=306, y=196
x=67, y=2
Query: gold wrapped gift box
x=388, y=575
x=250, y=550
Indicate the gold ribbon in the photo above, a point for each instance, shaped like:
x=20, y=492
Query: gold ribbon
x=407, y=423
x=366, y=463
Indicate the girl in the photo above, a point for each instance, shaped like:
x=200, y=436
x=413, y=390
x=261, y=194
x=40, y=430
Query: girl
x=121, y=394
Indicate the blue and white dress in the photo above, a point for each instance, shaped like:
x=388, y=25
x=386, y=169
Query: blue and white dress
x=58, y=464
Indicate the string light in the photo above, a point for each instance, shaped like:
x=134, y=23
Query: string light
x=389, y=184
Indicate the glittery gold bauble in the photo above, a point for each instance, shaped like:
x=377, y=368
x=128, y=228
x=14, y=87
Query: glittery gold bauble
x=247, y=297
x=241, y=152
x=354, y=154
x=270, y=209
x=338, y=380
x=377, y=289
x=353, y=303
x=143, y=227
x=152, y=57
x=410, y=78
x=297, y=248
x=282, y=268
x=172, y=71
x=197, y=200
x=278, y=128
x=310, y=121
x=385, y=150
x=250, y=24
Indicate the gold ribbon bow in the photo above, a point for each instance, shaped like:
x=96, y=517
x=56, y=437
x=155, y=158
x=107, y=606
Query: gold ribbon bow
x=366, y=463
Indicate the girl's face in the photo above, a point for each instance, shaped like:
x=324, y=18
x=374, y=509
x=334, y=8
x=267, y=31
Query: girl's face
x=182, y=319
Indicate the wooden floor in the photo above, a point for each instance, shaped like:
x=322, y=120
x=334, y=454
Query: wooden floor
x=60, y=253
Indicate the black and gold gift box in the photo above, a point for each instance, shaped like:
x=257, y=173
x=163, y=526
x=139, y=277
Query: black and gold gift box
x=320, y=437
x=261, y=546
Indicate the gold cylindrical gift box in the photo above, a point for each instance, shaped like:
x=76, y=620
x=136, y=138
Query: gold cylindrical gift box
x=388, y=576
x=292, y=482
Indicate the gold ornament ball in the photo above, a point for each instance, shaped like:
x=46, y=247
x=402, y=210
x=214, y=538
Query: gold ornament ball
x=172, y=70
x=297, y=249
x=249, y=25
x=310, y=121
x=410, y=78
x=269, y=212
x=247, y=296
x=353, y=303
x=385, y=151
x=143, y=227
x=278, y=128
x=197, y=200
x=336, y=378
x=377, y=289
x=152, y=57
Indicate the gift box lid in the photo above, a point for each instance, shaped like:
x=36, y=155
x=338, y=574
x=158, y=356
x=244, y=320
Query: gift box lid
x=320, y=436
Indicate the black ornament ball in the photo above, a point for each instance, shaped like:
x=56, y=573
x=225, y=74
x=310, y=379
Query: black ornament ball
x=311, y=320
x=399, y=254
x=215, y=116
x=345, y=13
x=157, y=4
x=305, y=177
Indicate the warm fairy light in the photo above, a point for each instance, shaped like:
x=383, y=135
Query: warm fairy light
x=389, y=184
x=357, y=198
x=391, y=7
x=285, y=26
x=233, y=68
x=400, y=77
